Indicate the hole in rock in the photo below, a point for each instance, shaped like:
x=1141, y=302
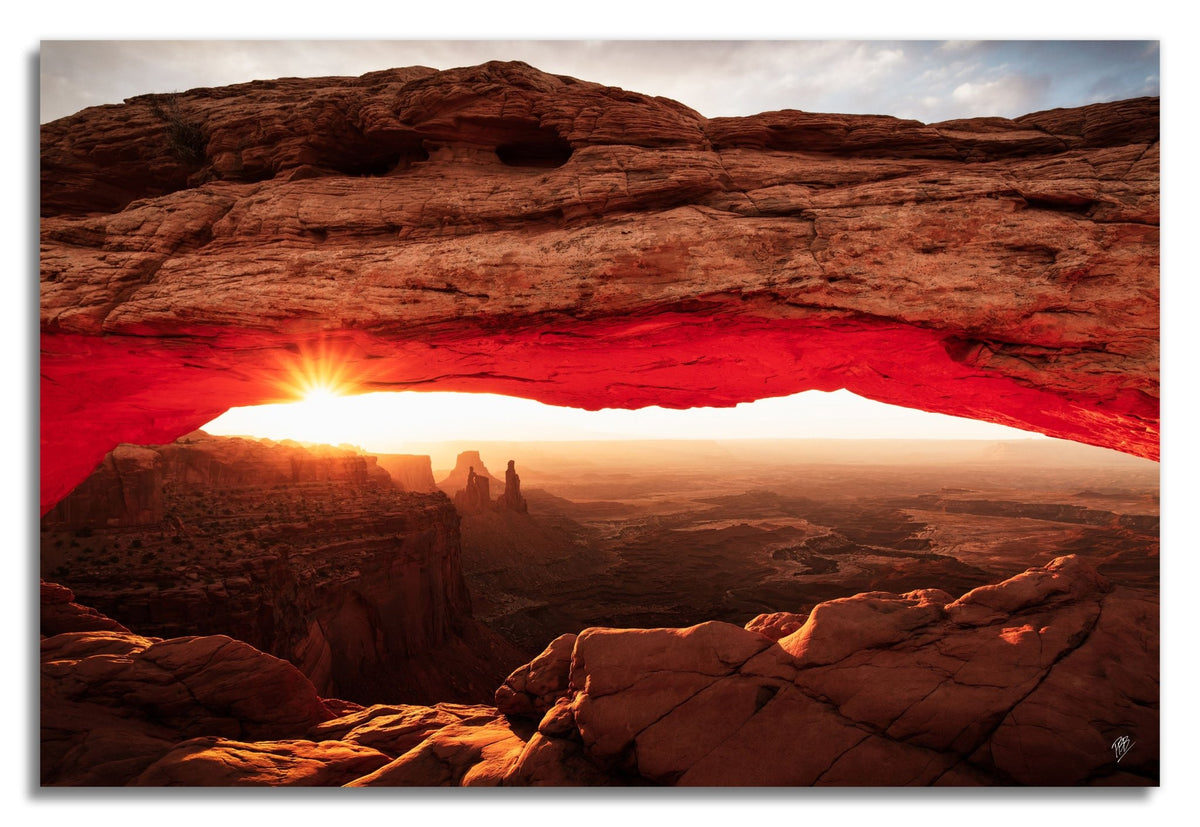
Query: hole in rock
x=544, y=154
x=374, y=161
x=516, y=142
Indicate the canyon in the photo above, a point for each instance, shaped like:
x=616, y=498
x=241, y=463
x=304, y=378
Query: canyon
x=675, y=533
x=497, y=228
x=778, y=579
x=309, y=553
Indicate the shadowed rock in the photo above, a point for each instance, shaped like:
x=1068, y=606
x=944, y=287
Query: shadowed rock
x=307, y=552
x=1036, y=694
x=511, y=498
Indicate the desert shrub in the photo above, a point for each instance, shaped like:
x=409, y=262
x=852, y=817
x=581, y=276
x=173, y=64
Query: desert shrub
x=184, y=137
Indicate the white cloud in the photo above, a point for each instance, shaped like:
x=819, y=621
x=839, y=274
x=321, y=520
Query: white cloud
x=928, y=81
x=1012, y=93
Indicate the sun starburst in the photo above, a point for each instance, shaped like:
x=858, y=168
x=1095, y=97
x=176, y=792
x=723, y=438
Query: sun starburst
x=320, y=372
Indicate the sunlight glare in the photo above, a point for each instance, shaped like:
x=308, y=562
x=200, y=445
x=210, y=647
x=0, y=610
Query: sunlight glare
x=317, y=373
x=320, y=395
x=386, y=422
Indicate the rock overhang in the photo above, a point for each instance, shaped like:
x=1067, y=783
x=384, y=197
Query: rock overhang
x=637, y=253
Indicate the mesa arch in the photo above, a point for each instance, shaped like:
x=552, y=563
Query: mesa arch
x=499, y=229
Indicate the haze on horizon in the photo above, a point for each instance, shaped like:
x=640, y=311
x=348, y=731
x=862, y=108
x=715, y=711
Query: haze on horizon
x=389, y=422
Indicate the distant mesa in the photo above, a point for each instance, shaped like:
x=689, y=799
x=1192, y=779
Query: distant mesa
x=457, y=479
x=126, y=488
x=476, y=495
x=473, y=494
x=410, y=472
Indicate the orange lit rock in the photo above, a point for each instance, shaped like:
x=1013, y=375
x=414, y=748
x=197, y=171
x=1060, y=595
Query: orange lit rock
x=777, y=624
x=220, y=762
x=912, y=698
x=499, y=229
x=534, y=688
x=1034, y=695
x=113, y=703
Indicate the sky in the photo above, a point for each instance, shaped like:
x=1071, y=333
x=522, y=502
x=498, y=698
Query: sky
x=388, y=422
x=925, y=80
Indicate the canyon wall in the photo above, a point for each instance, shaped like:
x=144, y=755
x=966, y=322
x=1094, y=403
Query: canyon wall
x=127, y=488
x=412, y=472
x=309, y=553
x=499, y=229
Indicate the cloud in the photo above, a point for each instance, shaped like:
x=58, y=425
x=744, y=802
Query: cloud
x=1011, y=93
x=926, y=80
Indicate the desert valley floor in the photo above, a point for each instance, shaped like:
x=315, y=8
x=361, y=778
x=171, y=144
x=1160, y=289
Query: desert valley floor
x=413, y=614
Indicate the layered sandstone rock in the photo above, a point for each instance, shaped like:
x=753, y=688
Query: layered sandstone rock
x=127, y=488
x=109, y=711
x=878, y=689
x=533, y=689
x=499, y=229
x=60, y=613
x=1030, y=681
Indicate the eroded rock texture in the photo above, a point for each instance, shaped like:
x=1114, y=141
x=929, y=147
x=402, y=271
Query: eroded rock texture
x=499, y=229
x=1029, y=681
x=308, y=553
x=129, y=487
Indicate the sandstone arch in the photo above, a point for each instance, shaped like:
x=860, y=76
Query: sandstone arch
x=637, y=254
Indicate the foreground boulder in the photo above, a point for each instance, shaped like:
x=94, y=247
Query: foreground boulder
x=1032, y=682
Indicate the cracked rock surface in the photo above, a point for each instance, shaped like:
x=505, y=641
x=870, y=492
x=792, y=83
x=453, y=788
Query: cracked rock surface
x=500, y=229
x=1033, y=690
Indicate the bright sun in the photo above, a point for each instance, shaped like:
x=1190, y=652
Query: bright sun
x=319, y=416
x=320, y=395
